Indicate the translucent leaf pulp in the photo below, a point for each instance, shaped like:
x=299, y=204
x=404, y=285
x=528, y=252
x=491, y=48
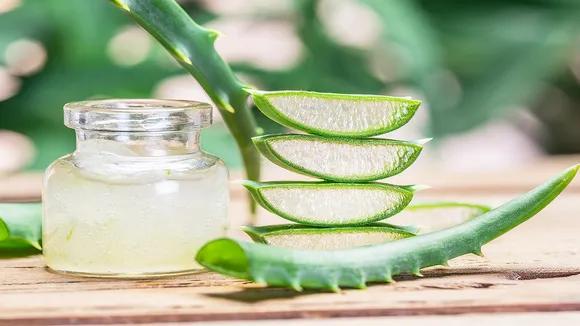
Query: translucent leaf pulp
x=423, y=218
x=339, y=159
x=304, y=237
x=432, y=217
x=330, y=114
x=331, y=204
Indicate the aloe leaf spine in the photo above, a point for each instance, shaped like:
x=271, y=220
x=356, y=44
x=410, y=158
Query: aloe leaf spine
x=193, y=47
x=355, y=267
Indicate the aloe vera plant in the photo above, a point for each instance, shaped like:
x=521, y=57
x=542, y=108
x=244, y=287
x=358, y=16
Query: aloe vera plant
x=193, y=47
x=20, y=225
x=355, y=267
x=339, y=159
x=346, y=203
x=331, y=204
x=329, y=114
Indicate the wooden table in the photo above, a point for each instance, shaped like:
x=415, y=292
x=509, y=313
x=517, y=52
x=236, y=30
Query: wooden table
x=531, y=276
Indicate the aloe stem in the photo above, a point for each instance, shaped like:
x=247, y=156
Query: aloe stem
x=193, y=47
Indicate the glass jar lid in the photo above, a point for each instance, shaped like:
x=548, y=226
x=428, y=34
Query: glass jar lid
x=137, y=115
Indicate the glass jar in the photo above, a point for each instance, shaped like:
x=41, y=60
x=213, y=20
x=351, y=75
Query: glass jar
x=138, y=197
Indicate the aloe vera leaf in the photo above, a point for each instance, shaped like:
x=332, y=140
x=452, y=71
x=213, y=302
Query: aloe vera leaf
x=299, y=236
x=431, y=217
x=20, y=225
x=331, y=204
x=193, y=47
x=329, y=114
x=339, y=159
x=355, y=267
x=424, y=218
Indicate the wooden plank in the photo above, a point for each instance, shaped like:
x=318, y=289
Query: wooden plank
x=500, y=319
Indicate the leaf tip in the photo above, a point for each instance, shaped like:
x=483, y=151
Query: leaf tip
x=573, y=170
x=253, y=91
x=254, y=234
x=249, y=184
x=423, y=141
x=225, y=256
x=36, y=244
x=121, y=5
x=416, y=188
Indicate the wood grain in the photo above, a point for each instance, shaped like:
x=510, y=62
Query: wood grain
x=499, y=319
x=533, y=269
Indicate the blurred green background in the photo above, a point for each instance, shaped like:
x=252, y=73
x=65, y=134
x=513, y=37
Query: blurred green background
x=499, y=77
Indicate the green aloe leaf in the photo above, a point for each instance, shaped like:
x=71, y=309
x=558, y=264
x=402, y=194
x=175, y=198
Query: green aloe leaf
x=355, y=267
x=424, y=218
x=299, y=236
x=339, y=159
x=331, y=204
x=20, y=225
x=193, y=47
x=430, y=217
x=340, y=115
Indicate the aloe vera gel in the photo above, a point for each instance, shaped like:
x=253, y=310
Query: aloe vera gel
x=138, y=197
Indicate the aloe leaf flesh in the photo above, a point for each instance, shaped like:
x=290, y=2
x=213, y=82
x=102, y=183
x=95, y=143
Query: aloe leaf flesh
x=329, y=114
x=20, y=225
x=331, y=204
x=193, y=47
x=339, y=159
x=355, y=267
x=431, y=217
x=299, y=236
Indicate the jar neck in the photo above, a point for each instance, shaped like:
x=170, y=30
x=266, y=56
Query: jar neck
x=166, y=143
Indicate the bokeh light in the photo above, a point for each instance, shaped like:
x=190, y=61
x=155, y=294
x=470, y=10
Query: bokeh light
x=25, y=57
x=9, y=84
x=129, y=47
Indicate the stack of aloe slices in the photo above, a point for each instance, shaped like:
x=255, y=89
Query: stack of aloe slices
x=343, y=210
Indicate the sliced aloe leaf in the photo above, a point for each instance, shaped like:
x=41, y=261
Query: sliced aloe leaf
x=20, y=225
x=331, y=204
x=339, y=159
x=355, y=267
x=437, y=216
x=299, y=236
x=330, y=114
